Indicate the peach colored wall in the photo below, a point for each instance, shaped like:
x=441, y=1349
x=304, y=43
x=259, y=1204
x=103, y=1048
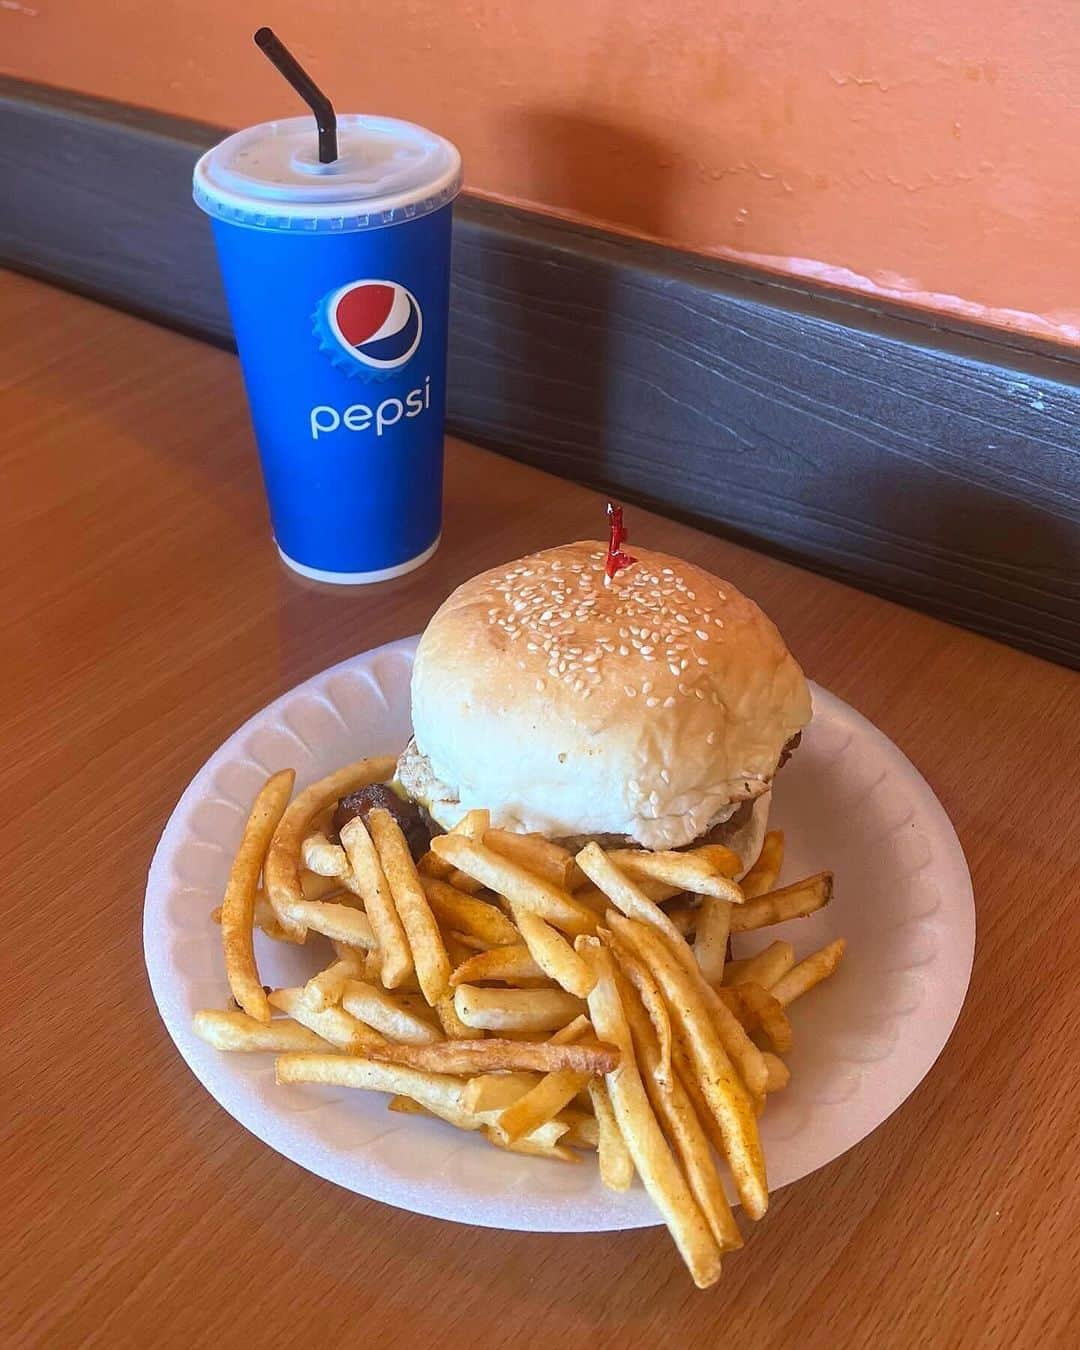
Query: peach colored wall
x=913, y=148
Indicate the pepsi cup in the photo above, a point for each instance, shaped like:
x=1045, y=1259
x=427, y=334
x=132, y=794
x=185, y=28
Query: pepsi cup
x=337, y=278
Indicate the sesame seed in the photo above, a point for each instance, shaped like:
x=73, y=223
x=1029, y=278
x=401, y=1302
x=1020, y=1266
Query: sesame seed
x=710, y=739
x=540, y=686
x=669, y=702
x=699, y=693
x=673, y=668
x=624, y=651
x=665, y=775
x=629, y=691
x=701, y=633
x=646, y=688
x=651, y=702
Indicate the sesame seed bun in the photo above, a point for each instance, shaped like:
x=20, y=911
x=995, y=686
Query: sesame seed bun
x=649, y=709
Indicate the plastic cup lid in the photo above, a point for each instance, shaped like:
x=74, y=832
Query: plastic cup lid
x=269, y=176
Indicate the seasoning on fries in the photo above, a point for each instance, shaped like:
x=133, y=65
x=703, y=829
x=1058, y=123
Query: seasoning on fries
x=525, y=934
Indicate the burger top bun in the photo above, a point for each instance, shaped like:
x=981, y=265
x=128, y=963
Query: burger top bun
x=650, y=707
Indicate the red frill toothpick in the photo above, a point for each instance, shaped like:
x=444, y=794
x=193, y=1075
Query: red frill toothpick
x=616, y=558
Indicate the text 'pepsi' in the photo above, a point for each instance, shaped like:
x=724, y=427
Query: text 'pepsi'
x=361, y=416
x=337, y=278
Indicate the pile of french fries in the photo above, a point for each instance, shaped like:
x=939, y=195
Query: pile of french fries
x=553, y=1003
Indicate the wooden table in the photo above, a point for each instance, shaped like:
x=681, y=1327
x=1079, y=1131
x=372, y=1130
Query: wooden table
x=145, y=616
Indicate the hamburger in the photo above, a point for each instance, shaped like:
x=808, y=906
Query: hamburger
x=652, y=707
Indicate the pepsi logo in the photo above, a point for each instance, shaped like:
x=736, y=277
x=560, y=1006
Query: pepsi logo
x=377, y=323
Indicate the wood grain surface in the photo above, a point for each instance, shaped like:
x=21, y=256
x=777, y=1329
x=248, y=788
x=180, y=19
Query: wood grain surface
x=145, y=617
x=936, y=463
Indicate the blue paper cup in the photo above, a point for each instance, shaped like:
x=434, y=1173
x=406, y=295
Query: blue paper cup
x=337, y=277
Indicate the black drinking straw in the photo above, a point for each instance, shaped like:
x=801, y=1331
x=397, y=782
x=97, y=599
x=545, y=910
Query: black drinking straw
x=325, y=118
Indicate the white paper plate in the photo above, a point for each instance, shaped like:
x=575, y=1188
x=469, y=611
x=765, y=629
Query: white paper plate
x=849, y=800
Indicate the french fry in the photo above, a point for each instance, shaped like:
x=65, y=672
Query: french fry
x=439, y=1093
x=344, y=951
x=431, y=865
x=325, y=989
x=238, y=1031
x=657, y=891
x=238, y=906
x=765, y=968
x=616, y=1164
x=497, y=1091
x=722, y=859
x=332, y=1024
x=508, y=964
x=573, y=1031
x=551, y=951
x=768, y=1014
x=790, y=902
x=491, y=1056
x=367, y=868
x=633, y=903
x=652, y=999
x=557, y=906
x=536, y=854
x=625, y=894
x=430, y=960
x=762, y=876
x=453, y=1027
x=524, y=1112
x=675, y=1112
x=466, y=914
x=685, y=871
x=466, y=940
x=711, y=937
x=801, y=979
x=407, y=1107
x=281, y=871
x=378, y=1009
x=652, y=1158
x=264, y=919
x=461, y=881
x=344, y=923
x=322, y=857
x=541, y=1103
x=583, y=1131
x=473, y=824
x=685, y=917
x=779, y=1073
x=535, y=1147
x=687, y=1075
x=723, y=1090
x=515, y=1009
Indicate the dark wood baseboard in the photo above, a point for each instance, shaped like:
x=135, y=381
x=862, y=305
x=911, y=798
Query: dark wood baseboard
x=929, y=461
